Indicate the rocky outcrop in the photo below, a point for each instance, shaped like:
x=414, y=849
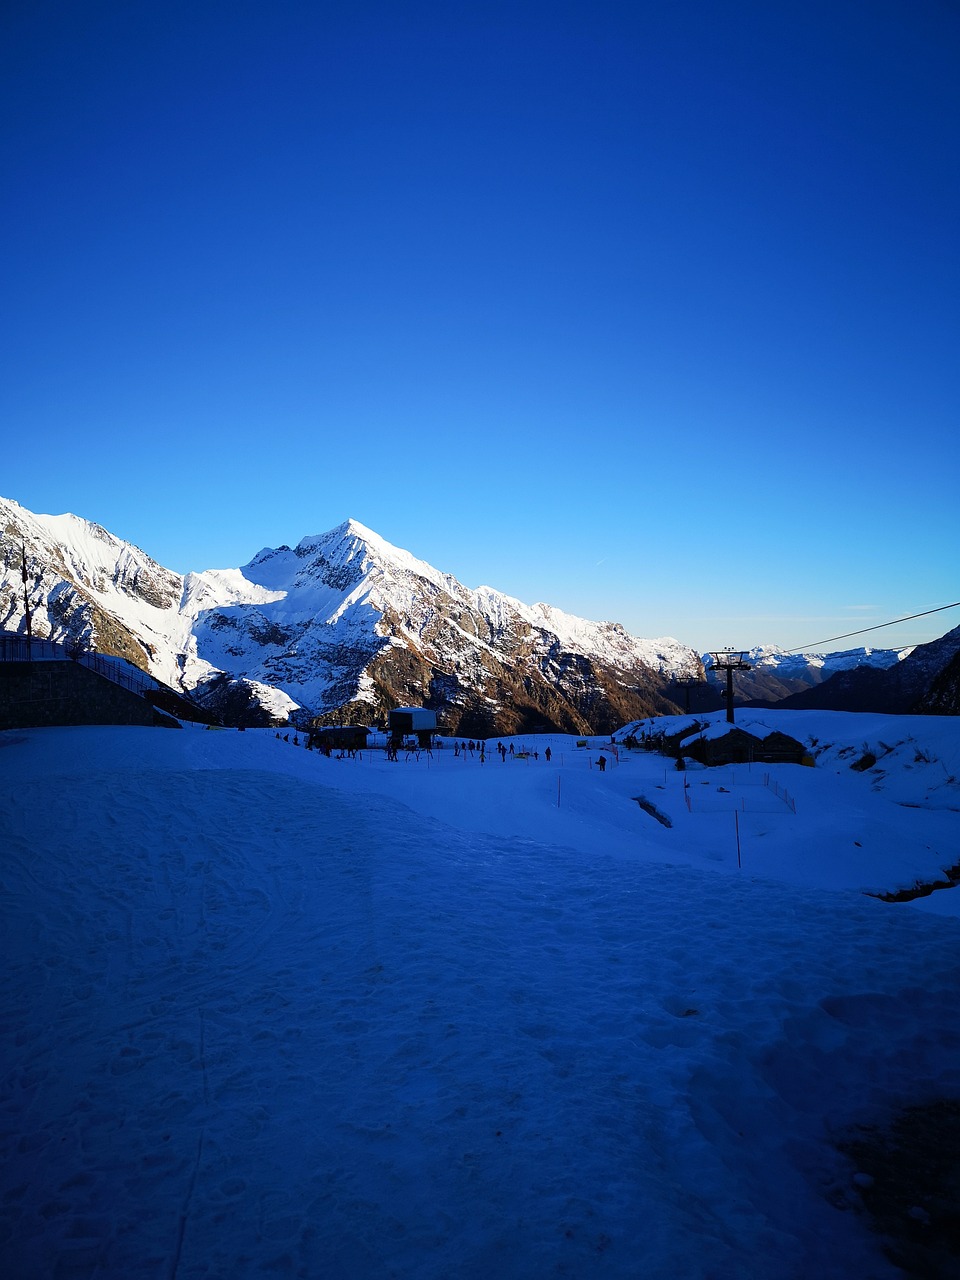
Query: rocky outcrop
x=942, y=698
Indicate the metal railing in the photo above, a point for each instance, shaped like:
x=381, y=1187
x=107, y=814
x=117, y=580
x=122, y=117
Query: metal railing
x=17, y=648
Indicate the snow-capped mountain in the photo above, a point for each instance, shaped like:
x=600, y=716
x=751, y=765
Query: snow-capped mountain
x=84, y=582
x=343, y=625
x=777, y=673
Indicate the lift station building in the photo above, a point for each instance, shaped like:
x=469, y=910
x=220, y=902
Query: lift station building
x=412, y=720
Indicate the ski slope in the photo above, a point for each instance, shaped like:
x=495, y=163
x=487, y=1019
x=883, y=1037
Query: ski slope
x=271, y=1014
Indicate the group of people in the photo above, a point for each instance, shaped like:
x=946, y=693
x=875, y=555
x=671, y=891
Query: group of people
x=472, y=748
x=469, y=748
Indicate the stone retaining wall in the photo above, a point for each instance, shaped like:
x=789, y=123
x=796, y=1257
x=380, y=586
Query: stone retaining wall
x=35, y=694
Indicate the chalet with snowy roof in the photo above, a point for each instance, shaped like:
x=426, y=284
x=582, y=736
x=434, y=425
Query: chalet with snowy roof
x=668, y=744
x=724, y=743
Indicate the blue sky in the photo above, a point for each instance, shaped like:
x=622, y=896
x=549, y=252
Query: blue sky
x=647, y=310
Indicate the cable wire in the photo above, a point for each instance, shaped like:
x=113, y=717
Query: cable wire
x=805, y=648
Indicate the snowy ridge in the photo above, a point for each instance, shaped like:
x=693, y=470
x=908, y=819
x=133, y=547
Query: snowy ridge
x=216, y=588
x=74, y=565
x=777, y=673
x=614, y=642
x=789, y=663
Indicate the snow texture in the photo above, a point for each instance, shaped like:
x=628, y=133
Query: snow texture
x=272, y=1014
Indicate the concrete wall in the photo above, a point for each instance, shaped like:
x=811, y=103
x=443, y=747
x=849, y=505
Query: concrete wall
x=34, y=694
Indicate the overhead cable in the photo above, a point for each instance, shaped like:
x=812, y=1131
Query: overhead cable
x=806, y=648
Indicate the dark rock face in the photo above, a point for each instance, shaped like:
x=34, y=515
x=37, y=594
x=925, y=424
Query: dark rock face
x=579, y=696
x=942, y=698
x=158, y=588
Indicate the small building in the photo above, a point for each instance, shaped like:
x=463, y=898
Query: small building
x=724, y=743
x=735, y=746
x=338, y=737
x=780, y=748
x=412, y=720
x=668, y=744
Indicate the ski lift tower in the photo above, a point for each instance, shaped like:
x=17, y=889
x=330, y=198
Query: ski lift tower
x=686, y=683
x=730, y=660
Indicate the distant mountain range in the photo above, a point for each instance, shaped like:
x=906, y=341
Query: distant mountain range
x=345, y=626
x=917, y=679
x=777, y=673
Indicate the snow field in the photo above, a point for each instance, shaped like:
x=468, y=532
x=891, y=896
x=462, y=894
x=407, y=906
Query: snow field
x=259, y=1024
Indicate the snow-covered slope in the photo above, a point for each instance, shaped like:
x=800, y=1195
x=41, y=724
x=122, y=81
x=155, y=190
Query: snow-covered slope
x=83, y=582
x=276, y=1015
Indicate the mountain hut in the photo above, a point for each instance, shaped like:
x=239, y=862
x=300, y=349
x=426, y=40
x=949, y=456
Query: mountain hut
x=338, y=737
x=729, y=744
x=418, y=721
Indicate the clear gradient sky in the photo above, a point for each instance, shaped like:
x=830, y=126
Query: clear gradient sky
x=648, y=310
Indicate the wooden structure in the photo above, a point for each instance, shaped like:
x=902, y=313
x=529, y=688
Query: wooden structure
x=737, y=746
x=338, y=737
x=734, y=747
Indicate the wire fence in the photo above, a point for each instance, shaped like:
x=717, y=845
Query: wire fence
x=781, y=792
